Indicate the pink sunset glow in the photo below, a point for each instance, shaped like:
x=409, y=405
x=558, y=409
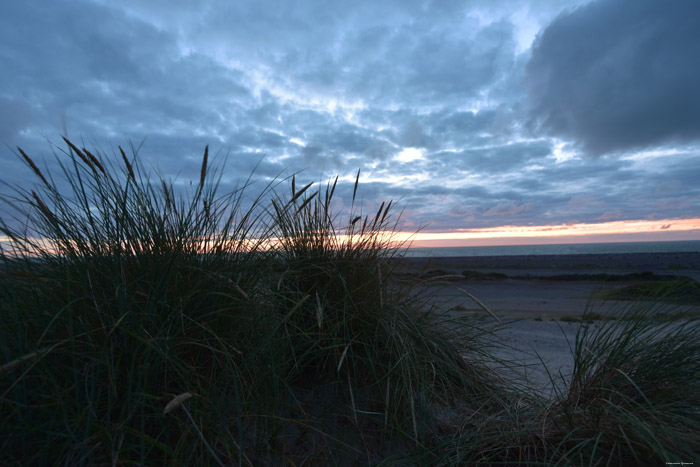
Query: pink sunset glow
x=618, y=231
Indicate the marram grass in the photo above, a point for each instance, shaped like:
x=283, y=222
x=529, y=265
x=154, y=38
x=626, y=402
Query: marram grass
x=146, y=323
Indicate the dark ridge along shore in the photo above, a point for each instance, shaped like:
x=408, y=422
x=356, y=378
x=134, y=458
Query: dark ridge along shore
x=681, y=264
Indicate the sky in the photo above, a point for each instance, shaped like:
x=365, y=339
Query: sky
x=519, y=122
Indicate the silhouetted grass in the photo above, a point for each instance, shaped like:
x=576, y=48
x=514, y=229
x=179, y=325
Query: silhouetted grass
x=632, y=399
x=143, y=321
x=147, y=322
x=124, y=295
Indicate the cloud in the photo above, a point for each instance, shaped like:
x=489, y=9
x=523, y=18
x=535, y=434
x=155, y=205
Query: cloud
x=14, y=117
x=508, y=208
x=582, y=202
x=492, y=159
x=618, y=75
x=609, y=216
x=426, y=97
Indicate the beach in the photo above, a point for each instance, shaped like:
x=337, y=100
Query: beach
x=540, y=299
x=543, y=286
x=685, y=263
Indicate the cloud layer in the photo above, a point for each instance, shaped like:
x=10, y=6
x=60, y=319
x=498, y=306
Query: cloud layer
x=474, y=114
x=619, y=75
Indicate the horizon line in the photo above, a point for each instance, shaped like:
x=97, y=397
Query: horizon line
x=601, y=232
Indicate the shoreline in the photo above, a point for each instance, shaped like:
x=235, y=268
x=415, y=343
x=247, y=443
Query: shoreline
x=544, y=286
x=589, y=261
x=679, y=264
x=540, y=318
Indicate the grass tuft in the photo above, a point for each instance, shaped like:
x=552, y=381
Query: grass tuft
x=145, y=322
x=634, y=389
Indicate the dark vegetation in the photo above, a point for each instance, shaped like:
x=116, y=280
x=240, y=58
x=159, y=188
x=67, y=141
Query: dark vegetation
x=145, y=322
x=595, y=277
x=681, y=291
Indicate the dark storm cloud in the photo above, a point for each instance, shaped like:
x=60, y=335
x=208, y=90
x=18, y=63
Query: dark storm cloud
x=619, y=75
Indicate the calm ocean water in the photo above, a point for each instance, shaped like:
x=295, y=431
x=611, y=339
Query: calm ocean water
x=564, y=249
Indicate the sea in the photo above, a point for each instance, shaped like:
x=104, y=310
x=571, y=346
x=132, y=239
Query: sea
x=558, y=249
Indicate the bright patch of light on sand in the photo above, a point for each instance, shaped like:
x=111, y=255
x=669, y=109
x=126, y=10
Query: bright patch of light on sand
x=410, y=155
x=551, y=232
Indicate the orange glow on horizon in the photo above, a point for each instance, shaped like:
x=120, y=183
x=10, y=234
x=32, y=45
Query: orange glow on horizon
x=616, y=231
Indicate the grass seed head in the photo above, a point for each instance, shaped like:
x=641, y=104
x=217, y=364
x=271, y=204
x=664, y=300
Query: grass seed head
x=95, y=161
x=176, y=402
x=78, y=152
x=203, y=173
x=357, y=181
x=165, y=190
x=43, y=207
x=129, y=168
x=33, y=166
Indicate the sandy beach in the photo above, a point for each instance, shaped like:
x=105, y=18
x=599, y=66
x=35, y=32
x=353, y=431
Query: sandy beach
x=541, y=286
x=540, y=298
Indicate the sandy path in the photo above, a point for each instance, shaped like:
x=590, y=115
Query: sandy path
x=520, y=299
x=534, y=348
x=532, y=310
x=533, y=339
